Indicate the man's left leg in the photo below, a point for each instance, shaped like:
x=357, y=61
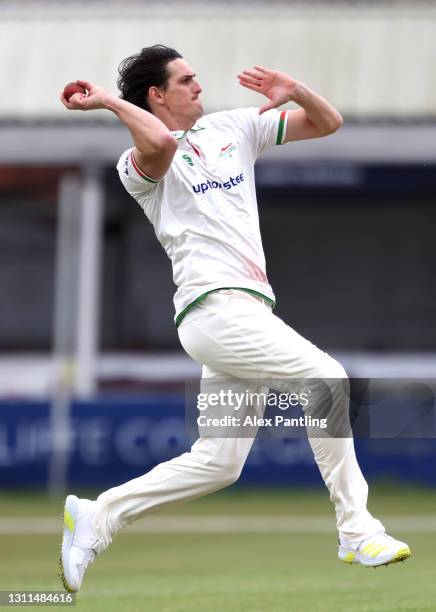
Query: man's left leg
x=244, y=339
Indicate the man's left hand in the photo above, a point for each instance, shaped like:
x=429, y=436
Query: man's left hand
x=275, y=85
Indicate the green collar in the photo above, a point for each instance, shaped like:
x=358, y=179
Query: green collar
x=178, y=134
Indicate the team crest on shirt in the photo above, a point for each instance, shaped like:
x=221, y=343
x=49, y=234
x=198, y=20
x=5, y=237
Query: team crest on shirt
x=227, y=150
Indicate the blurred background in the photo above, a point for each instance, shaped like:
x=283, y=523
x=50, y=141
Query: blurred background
x=92, y=375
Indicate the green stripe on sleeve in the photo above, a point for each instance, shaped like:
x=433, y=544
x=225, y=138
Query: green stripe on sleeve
x=281, y=127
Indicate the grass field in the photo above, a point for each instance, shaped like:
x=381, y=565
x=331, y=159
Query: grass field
x=211, y=572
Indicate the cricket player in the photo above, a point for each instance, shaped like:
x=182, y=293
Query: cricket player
x=193, y=176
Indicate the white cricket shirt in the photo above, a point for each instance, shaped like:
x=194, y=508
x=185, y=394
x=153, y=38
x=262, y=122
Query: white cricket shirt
x=204, y=210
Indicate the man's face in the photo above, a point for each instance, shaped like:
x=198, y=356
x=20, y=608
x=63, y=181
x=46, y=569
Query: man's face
x=182, y=95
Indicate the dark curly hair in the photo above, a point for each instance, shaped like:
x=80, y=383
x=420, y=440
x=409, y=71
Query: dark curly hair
x=143, y=70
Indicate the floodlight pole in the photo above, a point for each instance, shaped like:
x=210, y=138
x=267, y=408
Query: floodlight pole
x=64, y=337
x=89, y=281
x=77, y=299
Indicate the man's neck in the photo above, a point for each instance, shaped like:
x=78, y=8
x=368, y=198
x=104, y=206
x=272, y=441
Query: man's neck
x=175, y=124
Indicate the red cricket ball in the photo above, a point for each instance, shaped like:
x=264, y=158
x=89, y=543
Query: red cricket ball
x=71, y=89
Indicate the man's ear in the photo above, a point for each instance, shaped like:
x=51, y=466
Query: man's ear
x=155, y=95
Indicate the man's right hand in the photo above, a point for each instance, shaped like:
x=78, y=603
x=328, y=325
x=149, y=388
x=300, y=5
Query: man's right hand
x=155, y=146
x=94, y=100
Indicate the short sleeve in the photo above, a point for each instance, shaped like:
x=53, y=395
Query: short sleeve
x=271, y=128
x=134, y=180
x=262, y=131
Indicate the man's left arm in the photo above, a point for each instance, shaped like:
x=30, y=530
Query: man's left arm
x=315, y=118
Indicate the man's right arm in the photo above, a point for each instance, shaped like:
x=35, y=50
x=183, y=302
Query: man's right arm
x=155, y=146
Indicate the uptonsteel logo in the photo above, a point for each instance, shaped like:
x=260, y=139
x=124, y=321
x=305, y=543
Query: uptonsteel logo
x=233, y=181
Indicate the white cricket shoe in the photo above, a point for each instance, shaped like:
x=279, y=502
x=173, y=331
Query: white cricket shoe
x=379, y=549
x=80, y=543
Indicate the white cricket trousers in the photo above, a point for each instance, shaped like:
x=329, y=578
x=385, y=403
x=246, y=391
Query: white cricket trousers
x=235, y=336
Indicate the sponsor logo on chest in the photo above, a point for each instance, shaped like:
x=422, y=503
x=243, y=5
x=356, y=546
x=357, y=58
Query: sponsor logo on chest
x=233, y=181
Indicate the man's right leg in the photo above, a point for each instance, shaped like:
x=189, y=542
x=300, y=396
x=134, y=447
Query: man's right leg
x=211, y=464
